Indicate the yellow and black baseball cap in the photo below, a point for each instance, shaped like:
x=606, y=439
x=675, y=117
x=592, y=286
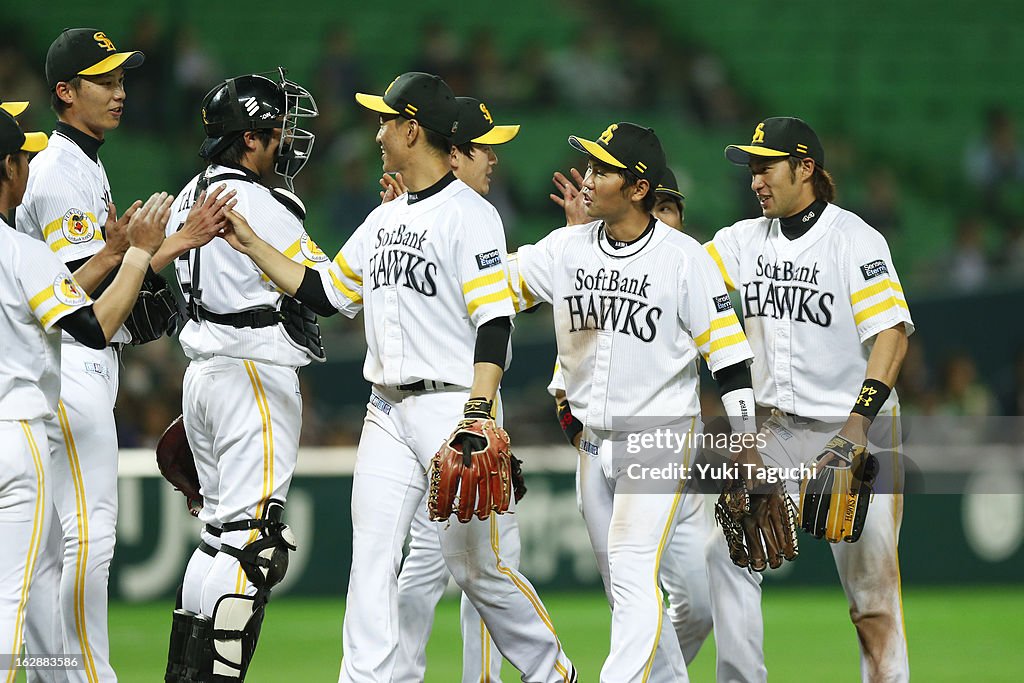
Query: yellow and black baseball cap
x=14, y=108
x=13, y=139
x=476, y=125
x=85, y=52
x=422, y=97
x=628, y=146
x=669, y=186
x=780, y=136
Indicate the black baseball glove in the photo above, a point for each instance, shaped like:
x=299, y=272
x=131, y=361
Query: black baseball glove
x=155, y=312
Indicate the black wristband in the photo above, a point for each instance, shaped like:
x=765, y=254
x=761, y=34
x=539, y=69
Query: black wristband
x=873, y=394
x=571, y=427
x=477, y=409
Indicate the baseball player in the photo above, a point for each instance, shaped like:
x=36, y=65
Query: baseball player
x=828, y=321
x=424, y=576
x=429, y=268
x=39, y=293
x=245, y=341
x=635, y=303
x=682, y=575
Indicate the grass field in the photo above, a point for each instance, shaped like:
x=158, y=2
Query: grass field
x=956, y=634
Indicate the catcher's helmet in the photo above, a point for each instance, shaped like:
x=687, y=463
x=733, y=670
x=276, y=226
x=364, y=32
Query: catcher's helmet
x=255, y=102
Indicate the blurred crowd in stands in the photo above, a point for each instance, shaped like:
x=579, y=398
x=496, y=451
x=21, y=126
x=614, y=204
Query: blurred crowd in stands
x=594, y=72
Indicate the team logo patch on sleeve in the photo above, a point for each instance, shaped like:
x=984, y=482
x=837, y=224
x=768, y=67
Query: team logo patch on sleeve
x=67, y=291
x=488, y=260
x=310, y=250
x=78, y=227
x=872, y=270
x=722, y=303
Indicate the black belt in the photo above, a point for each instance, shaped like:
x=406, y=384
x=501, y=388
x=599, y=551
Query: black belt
x=207, y=549
x=263, y=317
x=425, y=385
x=799, y=419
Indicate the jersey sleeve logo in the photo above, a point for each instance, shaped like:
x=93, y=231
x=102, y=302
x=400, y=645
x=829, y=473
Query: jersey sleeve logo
x=722, y=303
x=488, y=260
x=67, y=291
x=310, y=250
x=78, y=227
x=874, y=269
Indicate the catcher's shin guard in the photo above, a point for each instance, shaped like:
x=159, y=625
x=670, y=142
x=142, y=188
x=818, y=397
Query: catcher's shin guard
x=197, y=661
x=181, y=627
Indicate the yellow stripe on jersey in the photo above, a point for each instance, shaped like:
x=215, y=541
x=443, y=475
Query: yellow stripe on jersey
x=346, y=269
x=713, y=251
x=476, y=303
x=717, y=324
x=874, y=289
x=41, y=297
x=350, y=294
x=483, y=281
x=54, y=312
x=726, y=342
x=879, y=308
x=268, y=456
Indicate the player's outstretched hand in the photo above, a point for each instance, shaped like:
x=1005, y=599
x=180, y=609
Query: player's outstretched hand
x=115, y=230
x=207, y=217
x=569, y=197
x=238, y=233
x=146, y=226
x=393, y=186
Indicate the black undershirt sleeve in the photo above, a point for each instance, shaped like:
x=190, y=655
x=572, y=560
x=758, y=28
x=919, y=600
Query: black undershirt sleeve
x=84, y=327
x=733, y=377
x=311, y=293
x=492, y=341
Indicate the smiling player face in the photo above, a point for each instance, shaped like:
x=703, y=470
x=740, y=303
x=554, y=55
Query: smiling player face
x=780, y=190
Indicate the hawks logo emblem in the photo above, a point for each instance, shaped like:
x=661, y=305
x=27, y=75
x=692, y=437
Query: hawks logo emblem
x=758, y=134
x=487, y=114
x=78, y=226
x=67, y=291
x=310, y=250
x=106, y=43
x=608, y=134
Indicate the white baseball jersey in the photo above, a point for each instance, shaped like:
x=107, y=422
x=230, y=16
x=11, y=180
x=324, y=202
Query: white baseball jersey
x=811, y=307
x=65, y=205
x=630, y=322
x=229, y=282
x=422, y=315
x=36, y=290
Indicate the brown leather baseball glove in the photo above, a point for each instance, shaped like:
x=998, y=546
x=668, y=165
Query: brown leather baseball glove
x=759, y=525
x=174, y=458
x=472, y=473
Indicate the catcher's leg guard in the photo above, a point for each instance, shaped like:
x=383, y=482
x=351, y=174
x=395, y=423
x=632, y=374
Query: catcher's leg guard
x=198, y=658
x=237, y=618
x=181, y=627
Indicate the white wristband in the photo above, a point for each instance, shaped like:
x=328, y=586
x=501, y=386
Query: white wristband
x=739, y=406
x=136, y=257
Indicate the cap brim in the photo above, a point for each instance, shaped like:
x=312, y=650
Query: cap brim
x=595, y=150
x=497, y=135
x=128, y=60
x=15, y=109
x=661, y=189
x=374, y=103
x=740, y=154
x=35, y=142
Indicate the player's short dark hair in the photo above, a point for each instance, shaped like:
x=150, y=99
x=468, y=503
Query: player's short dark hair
x=821, y=180
x=233, y=153
x=437, y=142
x=466, y=148
x=58, y=105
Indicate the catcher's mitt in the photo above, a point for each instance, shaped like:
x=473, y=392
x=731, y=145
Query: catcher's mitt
x=759, y=526
x=174, y=458
x=472, y=473
x=834, y=499
x=155, y=312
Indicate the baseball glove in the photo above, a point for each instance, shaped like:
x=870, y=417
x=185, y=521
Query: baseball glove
x=155, y=312
x=834, y=499
x=759, y=525
x=472, y=473
x=174, y=458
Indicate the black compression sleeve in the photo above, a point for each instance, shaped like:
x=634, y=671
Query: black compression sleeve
x=84, y=327
x=311, y=293
x=492, y=341
x=104, y=283
x=733, y=377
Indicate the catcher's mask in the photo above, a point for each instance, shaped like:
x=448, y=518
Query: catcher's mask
x=256, y=102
